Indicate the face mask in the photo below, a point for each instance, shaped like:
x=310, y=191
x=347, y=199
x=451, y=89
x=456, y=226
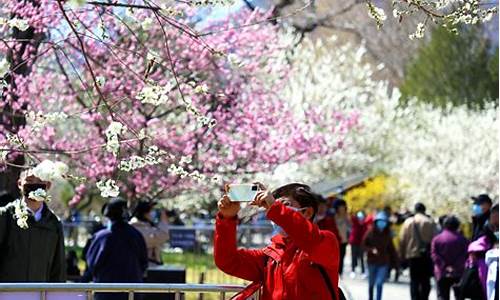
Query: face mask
x=28, y=188
x=476, y=210
x=381, y=225
x=496, y=234
x=360, y=216
x=108, y=224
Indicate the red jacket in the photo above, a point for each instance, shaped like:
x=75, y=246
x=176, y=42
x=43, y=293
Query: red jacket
x=286, y=266
x=358, y=231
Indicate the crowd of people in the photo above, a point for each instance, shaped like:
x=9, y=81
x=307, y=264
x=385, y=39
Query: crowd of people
x=305, y=259
x=468, y=268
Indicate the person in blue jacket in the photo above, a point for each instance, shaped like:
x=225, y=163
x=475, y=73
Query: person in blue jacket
x=118, y=253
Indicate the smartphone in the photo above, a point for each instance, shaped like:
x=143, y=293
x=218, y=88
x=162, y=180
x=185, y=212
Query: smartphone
x=242, y=192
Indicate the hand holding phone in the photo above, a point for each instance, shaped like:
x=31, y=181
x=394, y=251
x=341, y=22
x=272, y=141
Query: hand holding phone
x=242, y=192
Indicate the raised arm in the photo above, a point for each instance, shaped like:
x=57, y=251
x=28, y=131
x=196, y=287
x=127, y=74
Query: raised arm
x=242, y=263
x=306, y=235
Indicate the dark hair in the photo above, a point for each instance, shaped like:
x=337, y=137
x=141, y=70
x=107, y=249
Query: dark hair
x=299, y=192
x=116, y=209
x=451, y=223
x=339, y=203
x=142, y=208
x=420, y=208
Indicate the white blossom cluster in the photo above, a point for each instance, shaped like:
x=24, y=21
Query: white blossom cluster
x=108, y=188
x=153, y=157
x=183, y=173
x=376, y=13
x=40, y=195
x=112, y=132
x=446, y=13
x=211, y=2
x=20, y=24
x=419, y=33
x=49, y=170
x=15, y=140
x=200, y=118
x=20, y=212
x=438, y=157
x=154, y=94
x=4, y=67
x=39, y=120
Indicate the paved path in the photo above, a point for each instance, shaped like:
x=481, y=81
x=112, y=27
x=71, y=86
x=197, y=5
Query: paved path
x=392, y=291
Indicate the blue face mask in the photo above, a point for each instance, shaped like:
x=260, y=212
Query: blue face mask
x=496, y=234
x=477, y=210
x=381, y=225
x=360, y=216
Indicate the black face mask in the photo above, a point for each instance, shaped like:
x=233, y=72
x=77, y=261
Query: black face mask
x=31, y=187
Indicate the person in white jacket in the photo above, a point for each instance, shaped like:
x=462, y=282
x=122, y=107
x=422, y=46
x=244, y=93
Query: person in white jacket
x=155, y=235
x=492, y=279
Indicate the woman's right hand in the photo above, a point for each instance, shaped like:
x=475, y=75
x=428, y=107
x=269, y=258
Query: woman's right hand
x=227, y=208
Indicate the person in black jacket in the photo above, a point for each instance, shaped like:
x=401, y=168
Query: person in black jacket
x=481, y=213
x=35, y=253
x=117, y=253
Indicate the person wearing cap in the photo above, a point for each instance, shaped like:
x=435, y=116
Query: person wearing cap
x=300, y=263
x=415, y=239
x=480, y=215
x=118, y=252
x=449, y=254
x=380, y=253
x=155, y=235
x=32, y=249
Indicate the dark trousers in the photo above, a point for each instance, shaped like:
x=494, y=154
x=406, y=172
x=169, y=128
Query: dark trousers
x=420, y=277
x=343, y=246
x=443, y=287
x=357, y=255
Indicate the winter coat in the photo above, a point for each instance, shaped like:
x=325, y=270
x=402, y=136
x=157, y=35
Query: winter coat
x=477, y=251
x=478, y=225
x=449, y=249
x=381, y=241
x=328, y=223
x=408, y=242
x=492, y=278
x=154, y=236
x=35, y=254
x=358, y=231
x=288, y=267
x=117, y=254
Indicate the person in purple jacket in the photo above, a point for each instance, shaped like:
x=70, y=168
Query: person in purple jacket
x=449, y=254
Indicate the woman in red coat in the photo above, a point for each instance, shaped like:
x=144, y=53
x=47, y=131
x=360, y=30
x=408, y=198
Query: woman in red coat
x=358, y=231
x=298, y=264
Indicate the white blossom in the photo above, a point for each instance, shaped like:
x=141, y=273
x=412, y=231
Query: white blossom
x=108, y=188
x=112, y=132
x=20, y=213
x=154, y=94
x=48, y=170
x=39, y=120
x=40, y=195
x=4, y=67
x=419, y=33
x=438, y=156
x=20, y=24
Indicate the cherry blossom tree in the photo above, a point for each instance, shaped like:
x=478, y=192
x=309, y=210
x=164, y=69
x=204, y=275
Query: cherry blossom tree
x=142, y=100
x=439, y=157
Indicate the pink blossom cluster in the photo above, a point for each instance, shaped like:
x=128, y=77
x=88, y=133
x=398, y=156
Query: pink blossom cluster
x=256, y=129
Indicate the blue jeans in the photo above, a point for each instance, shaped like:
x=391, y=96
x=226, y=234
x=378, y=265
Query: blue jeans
x=376, y=277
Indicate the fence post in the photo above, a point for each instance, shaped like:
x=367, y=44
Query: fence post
x=130, y=295
x=43, y=295
x=222, y=296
